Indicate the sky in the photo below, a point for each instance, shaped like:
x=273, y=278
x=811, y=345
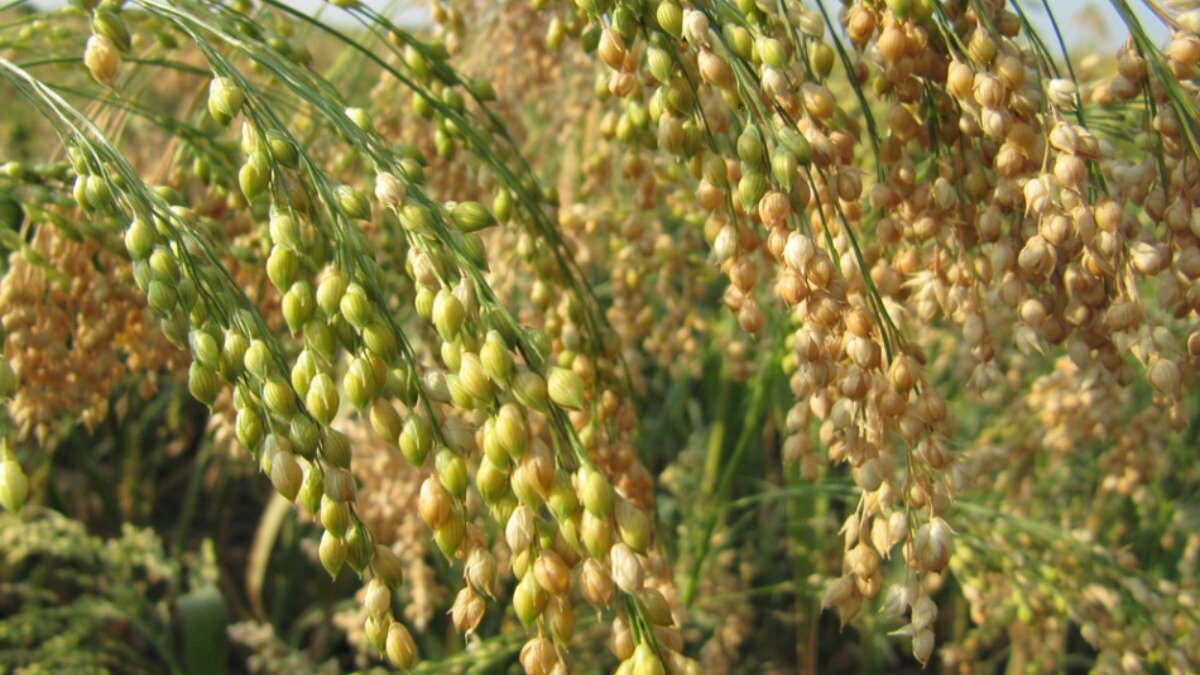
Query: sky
x=1080, y=20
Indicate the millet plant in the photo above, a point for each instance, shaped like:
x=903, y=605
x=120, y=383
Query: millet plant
x=646, y=336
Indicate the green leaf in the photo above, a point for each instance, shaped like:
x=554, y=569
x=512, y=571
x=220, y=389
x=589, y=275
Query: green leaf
x=204, y=616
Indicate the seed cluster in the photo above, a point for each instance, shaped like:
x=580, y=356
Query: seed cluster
x=993, y=206
x=418, y=340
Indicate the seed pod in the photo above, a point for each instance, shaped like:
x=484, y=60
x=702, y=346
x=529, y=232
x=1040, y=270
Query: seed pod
x=467, y=610
x=353, y=203
x=646, y=662
x=320, y=339
x=511, y=430
x=233, y=355
x=471, y=216
x=97, y=193
x=772, y=52
x=596, y=584
x=378, y=599
x=386, y=421
x=472, y=248
x=480, y=571
x=627, y=568
x=524, y=489
x=14, y=485
x=1164, y=377
x=751, y=188
x=284, y=231
x=473, y=378
x=448, y=314
x=520, y=529
x=695, y=27
x=387, y=566
x=539, y=340
x=161, y=297
x=356, y=307
x=714, y=70
x=304, y=435
x=423, y=303
x=163, y=265
x=595, y=492
x=491, y=480
x=632, y=525
x=670, y=17
x=415, y=439
x=562, y=500
x=597, y=534
x=359, y=548
x=530, y=390
x=322, y=398
x=140, y=239
x=203, y=383
x=375, y=629
x=552, y=573
x=339, y=485
x=102, y=58
x=335, y=516
x=249, y=429
x=303, y=372
x=566, y=388
x=750, y=146
x=286, y=474
x=538, y=657
x=655, y=606
x=537, y=469
x=282, y=149
x=434, y=503
x=822, y=57
x=496, y=359
x=335, y=448
x=528, y=600
x=1063, y=94
x=783, y=167
x=330, y=292
x=932, y=546
x=359, y=383
x=924, y=611
x=204, y=348
x=796, y=144
x=611, y=49
x=416, y=219
x=389, y=190
x=279, y=397
x=225, y=100
x=458, y=394
x=452, y=472
x=449, y=536
x=401, y=650
x=332, y=553
x=298, y=305
x=255, y=175
x=659, y=64
x=922, y=645
x=312, y=490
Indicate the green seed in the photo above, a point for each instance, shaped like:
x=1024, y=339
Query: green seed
x=14, y=485
x=471, y=216
x=566, y=388
x=332, y=553
x=225, y=100
x=203, y=383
